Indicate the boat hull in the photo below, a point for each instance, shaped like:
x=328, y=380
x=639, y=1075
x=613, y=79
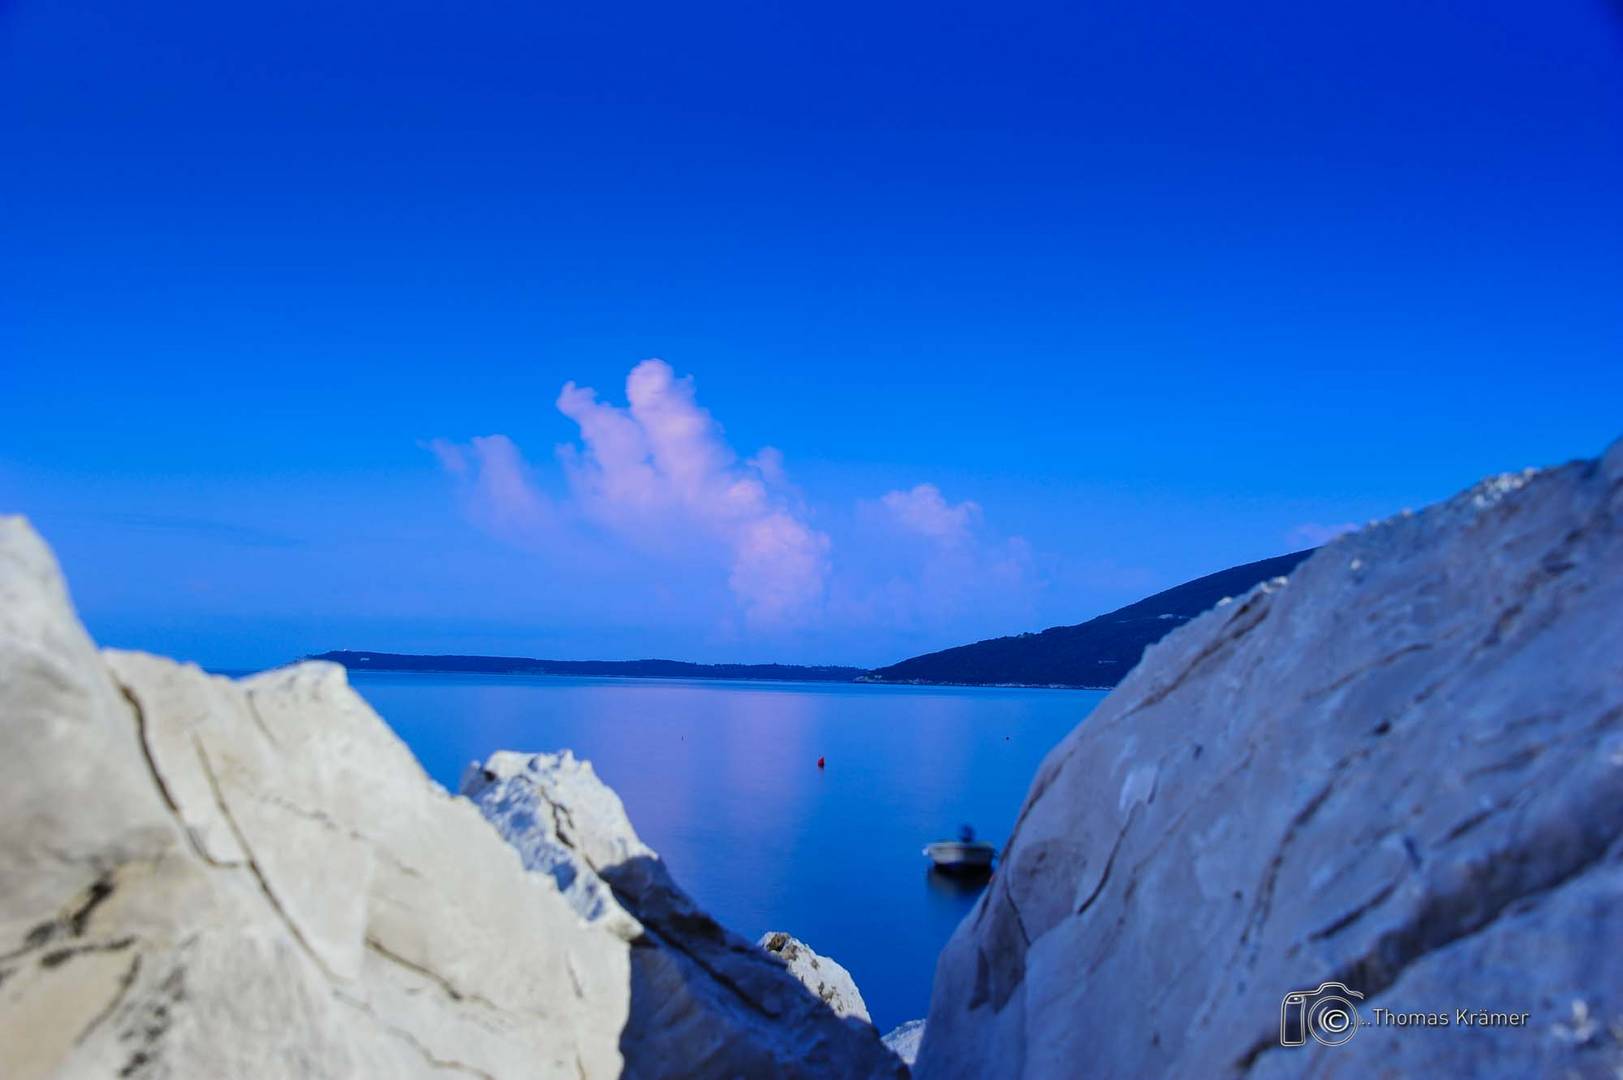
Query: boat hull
x=957, y=857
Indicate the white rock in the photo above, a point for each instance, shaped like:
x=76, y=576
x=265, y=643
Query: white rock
x=904, y=1040
x=563, y=821
x=1405, y=778
x=819, y=974
x=208, y=878
x=201, y=877
x=704, y=1001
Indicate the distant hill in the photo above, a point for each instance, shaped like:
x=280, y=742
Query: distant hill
x=1097, y=653
x=624, y=669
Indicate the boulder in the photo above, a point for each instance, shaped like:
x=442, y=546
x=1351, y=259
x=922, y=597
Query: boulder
x=819, y=974
x=1400, y=770
x=904, y=1040
x=704, y=1001
x=213, y=878
x=208, y=877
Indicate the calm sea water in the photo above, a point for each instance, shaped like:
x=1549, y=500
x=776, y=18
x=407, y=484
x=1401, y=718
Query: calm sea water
x=721, y=779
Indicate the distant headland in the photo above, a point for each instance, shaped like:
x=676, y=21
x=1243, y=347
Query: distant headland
x=620, y=669
x=1095, y=655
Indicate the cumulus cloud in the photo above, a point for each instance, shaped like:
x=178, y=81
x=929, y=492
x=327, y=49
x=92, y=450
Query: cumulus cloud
x=921, y=562
x=654, y=483
x=497, y=485
x=661, y=462
x=658, y=474
x=925, y=510
x=1313, y=534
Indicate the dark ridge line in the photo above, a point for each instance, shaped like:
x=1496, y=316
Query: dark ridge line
x=1093, y=655
x=453, y=664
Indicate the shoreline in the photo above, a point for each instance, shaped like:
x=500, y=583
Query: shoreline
x=723, y=679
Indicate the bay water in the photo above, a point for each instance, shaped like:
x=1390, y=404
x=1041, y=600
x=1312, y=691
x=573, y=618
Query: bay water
x=721, y=779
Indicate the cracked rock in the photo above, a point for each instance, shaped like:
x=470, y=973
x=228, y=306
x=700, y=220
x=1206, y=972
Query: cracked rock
x=207, y=877
x=564, y=822
x=704, y=1001
x=1401, y=769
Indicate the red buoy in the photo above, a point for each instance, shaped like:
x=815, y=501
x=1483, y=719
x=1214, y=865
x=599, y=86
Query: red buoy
x=821, y=763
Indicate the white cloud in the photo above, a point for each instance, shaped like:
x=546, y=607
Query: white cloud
x=497, y=485
x=925, y=511
x=921, y=562
x=661, y=465
x=658, y=479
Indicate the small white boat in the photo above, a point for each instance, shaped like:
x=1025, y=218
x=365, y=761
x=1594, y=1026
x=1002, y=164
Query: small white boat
x=965, y=855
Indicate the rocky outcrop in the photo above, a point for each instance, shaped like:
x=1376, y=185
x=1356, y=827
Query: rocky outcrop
x=904, y=1040
x=831, y=983
x=563, y=821
x=1401, y=770
x=204, y=877
x=208, y=878
x=732, y=1009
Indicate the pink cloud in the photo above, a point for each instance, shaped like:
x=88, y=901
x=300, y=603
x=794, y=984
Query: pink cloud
x=452, y=458
x=661, y=464
x=925, y=511
x=924, y=561
x=496, y=485
x=780, y=567
x=654, y=483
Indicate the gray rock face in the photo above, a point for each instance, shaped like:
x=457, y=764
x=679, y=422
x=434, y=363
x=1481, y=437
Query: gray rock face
x=704, y=1001
x=1401, y=770
x=831, y=983
x=208, y=878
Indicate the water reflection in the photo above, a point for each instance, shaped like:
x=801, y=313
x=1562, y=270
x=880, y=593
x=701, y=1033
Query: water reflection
x=957, y=885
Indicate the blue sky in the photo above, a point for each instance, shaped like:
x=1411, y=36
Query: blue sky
x=1039, y=307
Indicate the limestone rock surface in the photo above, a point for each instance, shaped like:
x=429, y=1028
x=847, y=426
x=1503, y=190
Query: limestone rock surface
x=213, y=878
x=563, y=821
x=819, y=974
x=202, y=877
x=904, y=1040
x=1401, y=770
x=727, y=1007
